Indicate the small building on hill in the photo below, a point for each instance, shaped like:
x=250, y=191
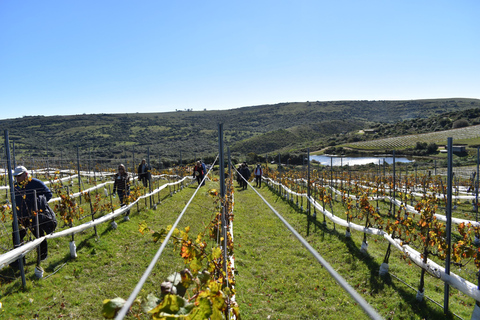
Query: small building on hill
x=458, y=148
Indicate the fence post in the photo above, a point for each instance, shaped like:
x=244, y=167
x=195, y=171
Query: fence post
x=308, y=192
x=16, y=233
x=449, y=224
x=394, y=184
x=476, y=184
x=79, y=178
x=13, y=154
x=133, y=162
x=149, y=177
x=221, y=171
x=48, y=163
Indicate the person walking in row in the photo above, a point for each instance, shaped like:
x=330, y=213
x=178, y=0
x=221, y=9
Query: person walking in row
x=258, y=175
x=31, y=194
x=239, y=176
x=245, y=172
x=121, y=186
x=144, y=173
x=199, y=173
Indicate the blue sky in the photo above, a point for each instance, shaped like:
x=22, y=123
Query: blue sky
x=74, y=57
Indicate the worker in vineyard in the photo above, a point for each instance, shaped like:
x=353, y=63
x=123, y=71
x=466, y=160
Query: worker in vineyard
x=29, y=191
x=239, y=176
x=204, y=167
x=144, y=173
x=245, y=172
x=121, y=186
x=199, y=173
x=258, y=172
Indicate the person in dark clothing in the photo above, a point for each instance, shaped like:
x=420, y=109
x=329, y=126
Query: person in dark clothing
x=245, y=172
x=144, y=173
x=199, y=173
x=121, y=186
x=31, y=192
x=239, y=176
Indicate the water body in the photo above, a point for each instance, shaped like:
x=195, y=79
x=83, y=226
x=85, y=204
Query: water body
x=351, y=161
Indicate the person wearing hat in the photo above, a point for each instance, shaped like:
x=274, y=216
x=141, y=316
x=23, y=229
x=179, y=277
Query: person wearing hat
x=26, y=189
x=258, y=175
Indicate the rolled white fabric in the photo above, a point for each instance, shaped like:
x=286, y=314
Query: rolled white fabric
x=73, y=249
x=364, y=247
x=420, y=296
x=383, y=269
x=476, y=313
x=39, y=272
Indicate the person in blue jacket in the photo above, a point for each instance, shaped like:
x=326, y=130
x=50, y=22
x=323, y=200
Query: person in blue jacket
x=25, y=199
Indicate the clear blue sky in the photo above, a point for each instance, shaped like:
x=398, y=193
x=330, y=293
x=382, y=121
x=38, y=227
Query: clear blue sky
x=113, y=56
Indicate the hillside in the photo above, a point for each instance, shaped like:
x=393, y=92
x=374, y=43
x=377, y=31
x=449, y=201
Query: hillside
x=405, y=136
x=286, y=126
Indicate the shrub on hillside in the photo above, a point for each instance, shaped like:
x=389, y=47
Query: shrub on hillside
x=460, y=123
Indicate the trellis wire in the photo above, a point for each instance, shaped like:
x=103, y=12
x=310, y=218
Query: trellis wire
x=121, y=314
x=362, y=302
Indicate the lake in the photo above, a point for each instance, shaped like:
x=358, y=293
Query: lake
x=351, y=161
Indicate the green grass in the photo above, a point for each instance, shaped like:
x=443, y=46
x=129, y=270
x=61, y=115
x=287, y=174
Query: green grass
x=107, y=266
x=276, y=277
x=319, y=294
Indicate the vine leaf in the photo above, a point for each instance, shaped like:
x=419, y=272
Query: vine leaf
x=159, y=235
x=143, y=227
x=216, y=253
x=175, y=278
x=150, y=303
x=196, y=265
x=203, y=309
x=111, y=307
x=171, y=306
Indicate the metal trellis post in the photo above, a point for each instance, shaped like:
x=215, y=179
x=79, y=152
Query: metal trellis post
x=308, y=191
x=221, y=169
x=16, y=233
x=79, y=178
x=449, y=224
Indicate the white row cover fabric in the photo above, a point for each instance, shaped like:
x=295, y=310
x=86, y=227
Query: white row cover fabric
x=430, y=266
x=12, y=255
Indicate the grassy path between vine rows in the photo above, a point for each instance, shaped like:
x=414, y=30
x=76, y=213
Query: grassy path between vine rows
x=107, y=266
x=279, y=279
x=276, y=277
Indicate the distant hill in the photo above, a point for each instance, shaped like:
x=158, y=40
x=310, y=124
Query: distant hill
x=258, y=129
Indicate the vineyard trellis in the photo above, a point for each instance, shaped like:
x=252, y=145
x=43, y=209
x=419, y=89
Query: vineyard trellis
x=399, y=226
x=401, y=142
x=403, y=225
